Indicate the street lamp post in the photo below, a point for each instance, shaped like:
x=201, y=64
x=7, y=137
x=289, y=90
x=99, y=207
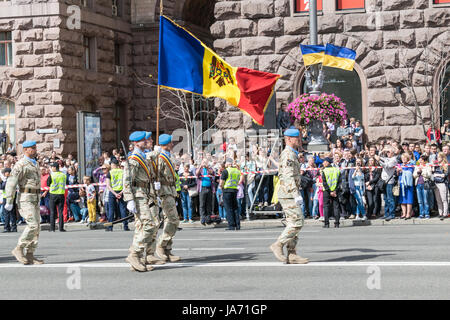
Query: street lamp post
x=314, y=83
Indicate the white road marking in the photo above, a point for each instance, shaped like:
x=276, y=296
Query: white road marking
x=177, y=249
x=224, y=239
x=254, y=232
x=241, y=264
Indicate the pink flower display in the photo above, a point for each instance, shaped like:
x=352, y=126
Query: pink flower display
x=325, y=108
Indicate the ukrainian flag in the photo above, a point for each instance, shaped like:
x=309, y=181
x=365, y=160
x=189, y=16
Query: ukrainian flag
x=185, y=63
x=339, y=57
x=312, y=54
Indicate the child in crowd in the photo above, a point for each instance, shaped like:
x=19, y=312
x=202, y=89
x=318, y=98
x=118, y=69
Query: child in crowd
x=91, y=202
x=82, y=203
x=9, y=217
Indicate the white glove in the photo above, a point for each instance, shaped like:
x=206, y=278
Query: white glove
x=157, y=149
x=299, y=200
x=157, y=185
x=159, y=201
x=131, y=206
x=9, y=206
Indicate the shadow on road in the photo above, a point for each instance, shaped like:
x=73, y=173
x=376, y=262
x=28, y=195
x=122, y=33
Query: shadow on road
x=355, y=258
x=238, y=257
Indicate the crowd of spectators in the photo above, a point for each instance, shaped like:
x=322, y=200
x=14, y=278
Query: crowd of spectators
x=407, y=179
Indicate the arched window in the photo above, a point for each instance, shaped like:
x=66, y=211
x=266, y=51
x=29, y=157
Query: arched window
x=8, y=120
x=347, y=86
x=444, y=91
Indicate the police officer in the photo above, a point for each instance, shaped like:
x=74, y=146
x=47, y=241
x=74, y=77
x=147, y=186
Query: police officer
x=26, y=174
x=139, y=193
x=114, y=183
x=330, y=178
x=229, y=181
x=290, y=199
x=167, y=194
x=57, y=183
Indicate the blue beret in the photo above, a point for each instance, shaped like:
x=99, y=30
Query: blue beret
x=292, y=133
x=29, y=143
x=137, y=136
x=164, y=139
x=148, y=135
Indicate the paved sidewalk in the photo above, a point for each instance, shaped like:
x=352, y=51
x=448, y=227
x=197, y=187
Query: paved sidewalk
x=261, y=223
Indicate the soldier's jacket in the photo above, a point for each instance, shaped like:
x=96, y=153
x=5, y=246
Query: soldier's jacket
x=25, y=174
x=136, y=179
x=165, y=175
x=289, y=175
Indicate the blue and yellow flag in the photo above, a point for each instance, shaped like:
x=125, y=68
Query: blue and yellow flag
x=185, y=63
x=312, y=54
x=339, y=57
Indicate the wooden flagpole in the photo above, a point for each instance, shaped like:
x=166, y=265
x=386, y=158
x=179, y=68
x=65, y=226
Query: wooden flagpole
x=158, y=93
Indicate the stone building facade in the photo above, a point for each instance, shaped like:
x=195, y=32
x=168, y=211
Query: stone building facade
x=48, y=81
x=265, y=35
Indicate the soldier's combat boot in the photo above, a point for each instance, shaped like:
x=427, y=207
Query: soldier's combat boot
x=161, y=252
x=277, y=249
x=135, y=262
x=32, y=260
x=18, y=254
x=171, y=257
x=151, y=259
x=293, y=258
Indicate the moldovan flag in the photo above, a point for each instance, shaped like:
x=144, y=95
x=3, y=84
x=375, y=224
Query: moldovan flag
x=185, y=63
x=312, y=54
x=339, y=57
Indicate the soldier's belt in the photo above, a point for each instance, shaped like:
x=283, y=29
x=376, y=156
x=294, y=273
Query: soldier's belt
x=29, y=190
x=141, y=184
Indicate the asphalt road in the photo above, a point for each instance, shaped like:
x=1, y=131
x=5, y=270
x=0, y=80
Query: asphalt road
x=375, y=262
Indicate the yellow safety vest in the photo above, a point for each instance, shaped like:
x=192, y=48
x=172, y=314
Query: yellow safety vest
x=234, y=175
x=332, y=177
x=58, y=185
x=177, y=182
x=116, y=179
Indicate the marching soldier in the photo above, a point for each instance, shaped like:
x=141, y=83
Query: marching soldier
x=26, y=174
x=167, y=194
x=290, y=199
x=139, y=193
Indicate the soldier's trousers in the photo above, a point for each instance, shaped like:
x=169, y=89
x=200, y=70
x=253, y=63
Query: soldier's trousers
x=294, y=223
x=171, y=222
x=30, y=211
x=146, y=225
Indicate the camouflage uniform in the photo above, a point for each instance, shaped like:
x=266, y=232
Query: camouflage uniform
x=289, y=175
x=167, y=194
x=146, y=219
x=27, y=176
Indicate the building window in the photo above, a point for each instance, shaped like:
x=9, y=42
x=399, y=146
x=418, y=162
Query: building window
x=89, y=52
x=8, y=121
x=444, y=94
x=349, y=4
x=121, y=120
x=116, y=8
x=303, y=5
x=118, y=58
x=347, y=86
x=6, y=53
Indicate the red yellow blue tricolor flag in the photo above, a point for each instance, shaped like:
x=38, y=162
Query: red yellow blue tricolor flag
x=185, y=63
x=339, y=57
